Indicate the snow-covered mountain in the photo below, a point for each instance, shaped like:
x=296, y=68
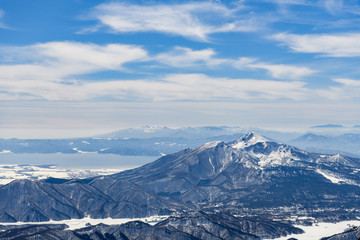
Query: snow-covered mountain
x=248, y=175
x=251, y=171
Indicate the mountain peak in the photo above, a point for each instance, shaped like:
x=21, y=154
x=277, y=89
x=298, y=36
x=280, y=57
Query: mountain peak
x=249, y=140
x=209, y=145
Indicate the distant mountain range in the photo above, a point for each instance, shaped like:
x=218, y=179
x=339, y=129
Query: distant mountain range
x=328, y=126
x=163, y=132
x=156, y=141
x=146, y=141
x=251, y=173
x=348, y=144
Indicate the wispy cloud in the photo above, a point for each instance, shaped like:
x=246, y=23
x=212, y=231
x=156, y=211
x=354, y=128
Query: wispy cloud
x=291, y=2
x=338, y=7
x=2, y=25
x=186, y=57
x=333, y=6
x=348, y=82
x=53, y=71
x=53, y=61
x=172, y=87
x=330, y=45
x=346, y=89
x=194, y=20
x=182, y=57
x=281, y=71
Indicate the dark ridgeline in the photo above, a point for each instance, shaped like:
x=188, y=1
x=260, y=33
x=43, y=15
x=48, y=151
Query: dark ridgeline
x=195, y=226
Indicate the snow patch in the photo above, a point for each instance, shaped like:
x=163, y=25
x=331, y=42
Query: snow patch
x=5, y=151
x=281, y=156
x=152, y=129
x=320, y=230
x=249, y=140
x=10, y=172
x=335, y=179
x=79, y=151
x=209, y=145
x=329, y=177
x=81, y=223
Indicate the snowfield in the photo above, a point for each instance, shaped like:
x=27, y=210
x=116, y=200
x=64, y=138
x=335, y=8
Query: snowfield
x=84, y=222
x=10, y=172
x=320, y=230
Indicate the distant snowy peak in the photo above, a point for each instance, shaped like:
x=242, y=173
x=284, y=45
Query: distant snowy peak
x=248, y=140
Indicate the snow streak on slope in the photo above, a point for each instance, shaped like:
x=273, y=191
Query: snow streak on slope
x=335, y=179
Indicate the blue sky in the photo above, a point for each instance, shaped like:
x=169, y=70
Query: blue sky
x=76, y=67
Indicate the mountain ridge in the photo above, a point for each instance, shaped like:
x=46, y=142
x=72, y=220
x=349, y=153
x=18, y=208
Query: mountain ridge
x=252, y=172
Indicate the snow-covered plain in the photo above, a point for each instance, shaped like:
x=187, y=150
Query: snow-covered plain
x=41, y=166
x=10, y=172
x=319, y=230
x=83, y=222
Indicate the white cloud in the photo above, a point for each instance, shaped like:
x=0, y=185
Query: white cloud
x=280, y=71
x=186, y=57
x=52, y=71
x=195, y=20
x=291, y=2
x=333, y=6
x=283, y=71
x=172, y=87
x=347, y=89
x=348, y=82
x=331, y=45
x=53, y=61
x=111, y=56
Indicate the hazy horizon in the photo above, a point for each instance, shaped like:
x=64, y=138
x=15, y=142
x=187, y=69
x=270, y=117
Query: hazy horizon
x=80, y=68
